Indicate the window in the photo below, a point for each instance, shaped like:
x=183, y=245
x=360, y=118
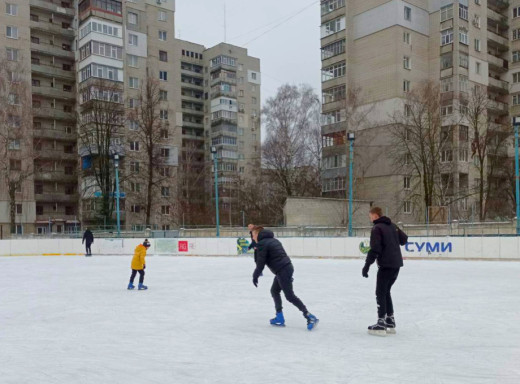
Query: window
x=516, y=99
x=132, y=61
x=463, y=133
x=446, y=156
x=478, y=47
x=163, y=95
x=447, y=85
x=407, y=207
x=11, y=9
x=406, y=38
x=164, y=171
x=135, y=187
x=162, y=35
x=407, y=182
x=163, y=114
x=165, y=191
x=163, y=56
x=516, y=77
x=165, y=152
x=516, y=34
x=463, y=83
x=463, y=60
x=407, y=110
x=408, y=13
x=164, y=134
x=406, y=85
x=333, y=49
x=19, y=209
x=516, y=12
x=132, y=39
x=15, y=165
x=334, y=94
x=132, y=18
x=135, y=208
x=14, y=144
x=12, y=54
x=13, y=99
x=165, y=209
x=463, y=155
x=134, y=167
x=477, y=68
x=407, y=62
x=161, y=16
x=329, y=6
x=463, y=36
x=133, y=125
x=334, y=71
x=12, y=32
x=516, y=56
x=447, y=36
x=463, y=11
x=476, y=21
x=447, y=12
x=163, y=75
x=134, y=146
x=333, y=26
x=133, y=82
x=446, y=110
x=446, y=61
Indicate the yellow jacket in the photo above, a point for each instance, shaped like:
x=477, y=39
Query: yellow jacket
x=138, y=260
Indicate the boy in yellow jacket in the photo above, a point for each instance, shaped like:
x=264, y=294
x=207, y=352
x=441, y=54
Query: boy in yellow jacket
x=139, y=265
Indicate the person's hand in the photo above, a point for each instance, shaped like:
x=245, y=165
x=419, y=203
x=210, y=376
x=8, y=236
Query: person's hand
x=255, y=281
x=364, y=272
x=144, y=266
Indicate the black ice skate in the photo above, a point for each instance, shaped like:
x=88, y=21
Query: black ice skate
x=390, y=325
x=378, y=329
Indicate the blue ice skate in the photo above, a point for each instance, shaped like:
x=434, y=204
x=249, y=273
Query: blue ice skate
x=130, y=286
x=142, y=287
x=312, y=321
x=279, y=320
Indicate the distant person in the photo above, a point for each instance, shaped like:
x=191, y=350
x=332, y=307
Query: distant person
x=88, y=240
x=385, y=241
x=253, y=242
x=272, y=254
x=139, y=265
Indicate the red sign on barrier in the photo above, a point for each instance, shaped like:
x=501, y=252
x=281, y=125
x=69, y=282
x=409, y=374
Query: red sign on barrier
x=183, y=246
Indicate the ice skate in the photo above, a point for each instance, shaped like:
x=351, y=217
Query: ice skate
x=312, y=321
x=130, y=286
x=279, y=320
x=390, y=325
x=378, y=329
x=142, y=287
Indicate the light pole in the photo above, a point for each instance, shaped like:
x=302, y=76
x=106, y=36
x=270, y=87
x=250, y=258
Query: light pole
x=351, y=137
x=516, y=125
x=215, y=169
x=116, y=166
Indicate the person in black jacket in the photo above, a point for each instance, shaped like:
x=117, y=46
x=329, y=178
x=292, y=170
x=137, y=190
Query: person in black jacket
x=253, y=242
x=272, y=254
x=88, y=239
x=385, y=241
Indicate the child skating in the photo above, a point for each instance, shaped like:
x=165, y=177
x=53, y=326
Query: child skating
x=270, y=252
x=139, y=265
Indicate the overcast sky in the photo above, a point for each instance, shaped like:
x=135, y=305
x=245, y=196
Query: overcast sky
x=284, y=34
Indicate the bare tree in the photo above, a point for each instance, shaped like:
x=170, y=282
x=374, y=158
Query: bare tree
x=292, y=149
x=17, y=152
x=100, y=121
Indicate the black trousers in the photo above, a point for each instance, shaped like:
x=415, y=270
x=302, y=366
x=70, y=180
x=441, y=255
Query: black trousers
x=141, y=275
x=283, y=281
x=386, y=278
x=87, y=248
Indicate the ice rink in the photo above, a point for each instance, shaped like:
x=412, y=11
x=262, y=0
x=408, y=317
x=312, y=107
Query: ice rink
x=71, y=320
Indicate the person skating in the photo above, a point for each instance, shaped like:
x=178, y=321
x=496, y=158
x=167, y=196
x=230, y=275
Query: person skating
x=385, y=241
x=88, y=240
x=139, y=265
x=253, y=242
x=272, y=254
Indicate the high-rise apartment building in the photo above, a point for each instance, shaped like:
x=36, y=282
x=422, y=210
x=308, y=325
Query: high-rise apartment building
x=91, y=66
x=384, y=50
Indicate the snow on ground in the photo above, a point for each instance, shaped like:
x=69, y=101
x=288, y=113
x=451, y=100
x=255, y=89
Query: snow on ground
x=71, y=320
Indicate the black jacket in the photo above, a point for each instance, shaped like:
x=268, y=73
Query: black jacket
x=385, y=241
x=88, y=237
x=270, y=253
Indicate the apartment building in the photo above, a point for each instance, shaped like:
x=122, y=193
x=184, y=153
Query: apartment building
x=82, y=54
x=386, y=49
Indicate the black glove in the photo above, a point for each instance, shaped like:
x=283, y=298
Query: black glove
x=144, y=266
x=255, y=281
x=364, y=272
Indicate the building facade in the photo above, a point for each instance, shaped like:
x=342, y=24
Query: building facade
x=384, y=50
x=92, y=65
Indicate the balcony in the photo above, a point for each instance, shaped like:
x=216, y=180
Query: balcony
x=52, y=50
x=55, y=176
x=193, y=111
x=192, y=98
x=500, y=6
x=55, y=154
x=499, y=107
x=56, y=198
x=224, y=120
x=55, y=114
x=192, y=85
x=53, y=134
x=220, y=92
x=223, y=79
x=53, y=6
x=54, y=93
x=497, y=64
x=111, y=9
x=499, y=86
x=52, y=28
x=498, y=41
x=53, y=71
x=331, y=128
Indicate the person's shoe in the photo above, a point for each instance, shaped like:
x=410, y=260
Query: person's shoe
x=390, y=325
x=279, y=320
x=130, y=286
x=378, y=329
x=142, y=287
x=312, y=321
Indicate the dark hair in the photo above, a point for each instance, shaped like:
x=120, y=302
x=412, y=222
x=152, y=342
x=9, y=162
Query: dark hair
x=146, y=243
x=376, y=211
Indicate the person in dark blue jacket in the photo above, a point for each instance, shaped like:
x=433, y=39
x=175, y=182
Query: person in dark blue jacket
x=385, y=248
x=270, y=252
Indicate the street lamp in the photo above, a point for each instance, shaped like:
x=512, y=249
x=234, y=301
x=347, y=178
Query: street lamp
x=215, y=169
x=516, y=125
x=350, y=137
x=116, y=166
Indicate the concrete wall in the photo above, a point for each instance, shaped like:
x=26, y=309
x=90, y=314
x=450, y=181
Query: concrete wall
x=470, y=248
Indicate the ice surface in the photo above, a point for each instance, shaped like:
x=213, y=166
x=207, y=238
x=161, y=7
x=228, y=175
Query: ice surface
x=71, y=320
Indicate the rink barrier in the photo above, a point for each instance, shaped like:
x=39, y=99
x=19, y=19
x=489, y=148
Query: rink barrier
x=460, y=248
